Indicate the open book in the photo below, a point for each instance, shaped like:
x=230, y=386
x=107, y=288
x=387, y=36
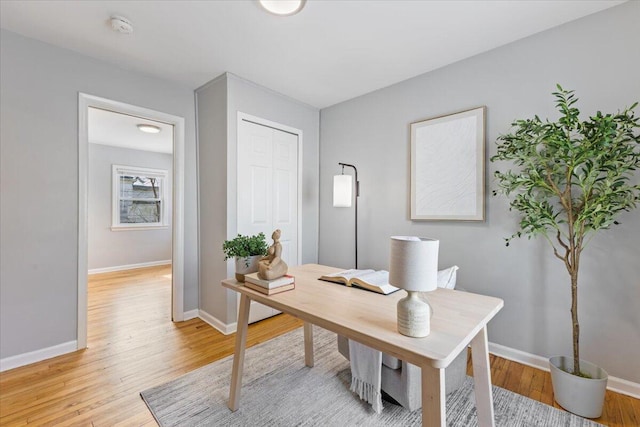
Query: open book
x=371, y=280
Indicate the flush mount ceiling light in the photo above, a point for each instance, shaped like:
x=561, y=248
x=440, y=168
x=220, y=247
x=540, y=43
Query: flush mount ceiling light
x=148, y=128
x=282, y=7
x=121, y=24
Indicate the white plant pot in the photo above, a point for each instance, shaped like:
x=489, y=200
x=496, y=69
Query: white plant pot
x=582, y=396
x=246, y=265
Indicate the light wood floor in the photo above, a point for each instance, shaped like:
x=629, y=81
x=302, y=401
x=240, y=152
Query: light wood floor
x=134, y=346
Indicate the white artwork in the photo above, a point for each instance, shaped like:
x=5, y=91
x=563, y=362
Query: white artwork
x=447, y=167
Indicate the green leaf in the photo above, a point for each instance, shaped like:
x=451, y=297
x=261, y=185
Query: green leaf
x=244, y=246
x=569, y=176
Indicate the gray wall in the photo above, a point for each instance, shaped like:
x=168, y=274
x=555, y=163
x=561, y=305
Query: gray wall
x=238, y=95
x=109, y=248
x=39, y=158
x=211, y=104
x=598, y=57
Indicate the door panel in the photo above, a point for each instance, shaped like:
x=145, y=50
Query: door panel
x=285, y=188
x=259, y=199
x=255, y=179
x=283, y=195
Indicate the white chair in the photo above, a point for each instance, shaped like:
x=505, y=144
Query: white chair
x=401, y=380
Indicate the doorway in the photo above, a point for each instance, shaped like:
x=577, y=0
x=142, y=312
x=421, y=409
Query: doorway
x=150, y=209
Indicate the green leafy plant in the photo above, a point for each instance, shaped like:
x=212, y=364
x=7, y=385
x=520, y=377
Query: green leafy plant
x=245, y=246
x=572, y=178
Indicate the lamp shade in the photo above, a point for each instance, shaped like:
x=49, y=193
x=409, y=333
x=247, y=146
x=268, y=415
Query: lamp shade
x=413, y=264
x=342, y=191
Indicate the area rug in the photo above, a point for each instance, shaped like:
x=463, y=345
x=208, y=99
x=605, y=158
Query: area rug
x=279, y=390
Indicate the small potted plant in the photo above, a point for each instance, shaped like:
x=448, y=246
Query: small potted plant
x=572, y=179
x=247, y=251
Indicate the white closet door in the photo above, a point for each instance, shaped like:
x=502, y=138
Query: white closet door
x=285, y=193
x=268, y=191
x=255, y=179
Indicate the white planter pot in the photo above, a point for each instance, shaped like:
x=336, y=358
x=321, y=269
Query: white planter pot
x=246, y=266
x=582, y=396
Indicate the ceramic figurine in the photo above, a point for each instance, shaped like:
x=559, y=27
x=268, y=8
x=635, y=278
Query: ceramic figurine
x=272, y=266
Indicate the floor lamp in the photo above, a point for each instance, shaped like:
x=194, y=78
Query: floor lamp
x=342, y=195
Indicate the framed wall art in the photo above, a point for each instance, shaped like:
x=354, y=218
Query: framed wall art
x=447, y=167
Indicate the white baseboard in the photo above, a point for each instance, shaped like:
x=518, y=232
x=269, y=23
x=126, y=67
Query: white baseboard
x=191, y=314
x=528, y=359
x=128, y=266
x=224, y=328
x=37, y=355
x=616, y=384
x=623, y=386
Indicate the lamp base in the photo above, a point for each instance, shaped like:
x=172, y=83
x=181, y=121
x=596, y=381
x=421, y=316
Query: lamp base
x=414, y=315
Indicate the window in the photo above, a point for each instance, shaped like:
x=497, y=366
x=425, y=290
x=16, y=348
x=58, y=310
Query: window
x=139, y=198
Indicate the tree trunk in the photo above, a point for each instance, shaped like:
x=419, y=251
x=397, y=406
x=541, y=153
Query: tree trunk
x=574, y=317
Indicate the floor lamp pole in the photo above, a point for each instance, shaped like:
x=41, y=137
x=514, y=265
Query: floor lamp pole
x=356, y=203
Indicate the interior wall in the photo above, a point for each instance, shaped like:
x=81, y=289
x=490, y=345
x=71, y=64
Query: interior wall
x=109, y=248
x=211, y=104
x=244, y=96
x=596, y=56
x=39, y=183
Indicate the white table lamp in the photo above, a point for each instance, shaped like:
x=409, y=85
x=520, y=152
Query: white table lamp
x=414, y=267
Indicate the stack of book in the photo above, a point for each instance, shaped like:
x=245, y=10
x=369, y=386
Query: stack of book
x=269, y=287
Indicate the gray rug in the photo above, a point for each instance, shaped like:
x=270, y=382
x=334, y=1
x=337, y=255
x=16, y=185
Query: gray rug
x=278, y=390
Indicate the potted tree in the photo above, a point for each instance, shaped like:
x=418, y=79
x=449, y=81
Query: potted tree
x=571, y=179
x=247, y=251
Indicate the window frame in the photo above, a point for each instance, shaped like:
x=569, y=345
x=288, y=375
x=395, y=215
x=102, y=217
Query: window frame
x=161, y=174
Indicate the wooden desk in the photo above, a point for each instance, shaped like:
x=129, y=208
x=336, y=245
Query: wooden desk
x=459, y=319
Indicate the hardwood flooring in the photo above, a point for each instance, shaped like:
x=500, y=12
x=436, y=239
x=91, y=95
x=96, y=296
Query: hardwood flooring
x=133, y=346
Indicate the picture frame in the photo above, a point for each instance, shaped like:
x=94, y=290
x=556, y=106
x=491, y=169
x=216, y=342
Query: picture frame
x=448, y=167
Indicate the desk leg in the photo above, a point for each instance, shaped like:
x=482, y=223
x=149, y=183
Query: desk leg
x=433, y=397
x=238, y=357
x=308, y=344
x=482, y=379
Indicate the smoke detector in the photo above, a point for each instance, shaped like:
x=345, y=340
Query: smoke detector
x=121, y=24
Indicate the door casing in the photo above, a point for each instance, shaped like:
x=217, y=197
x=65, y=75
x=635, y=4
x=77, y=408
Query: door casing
x=177, y=269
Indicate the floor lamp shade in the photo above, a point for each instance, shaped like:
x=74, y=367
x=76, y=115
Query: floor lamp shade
x=342, y=187
x=414, y=263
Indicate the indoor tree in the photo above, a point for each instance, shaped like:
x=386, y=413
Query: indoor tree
x=572, y=178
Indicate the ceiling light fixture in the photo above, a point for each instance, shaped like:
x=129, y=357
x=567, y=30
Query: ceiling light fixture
x=121, y=24
x=282, y=7
x=148, y=128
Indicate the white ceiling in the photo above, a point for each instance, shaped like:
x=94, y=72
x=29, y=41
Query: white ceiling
x=330, y=52
x=121, y=130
